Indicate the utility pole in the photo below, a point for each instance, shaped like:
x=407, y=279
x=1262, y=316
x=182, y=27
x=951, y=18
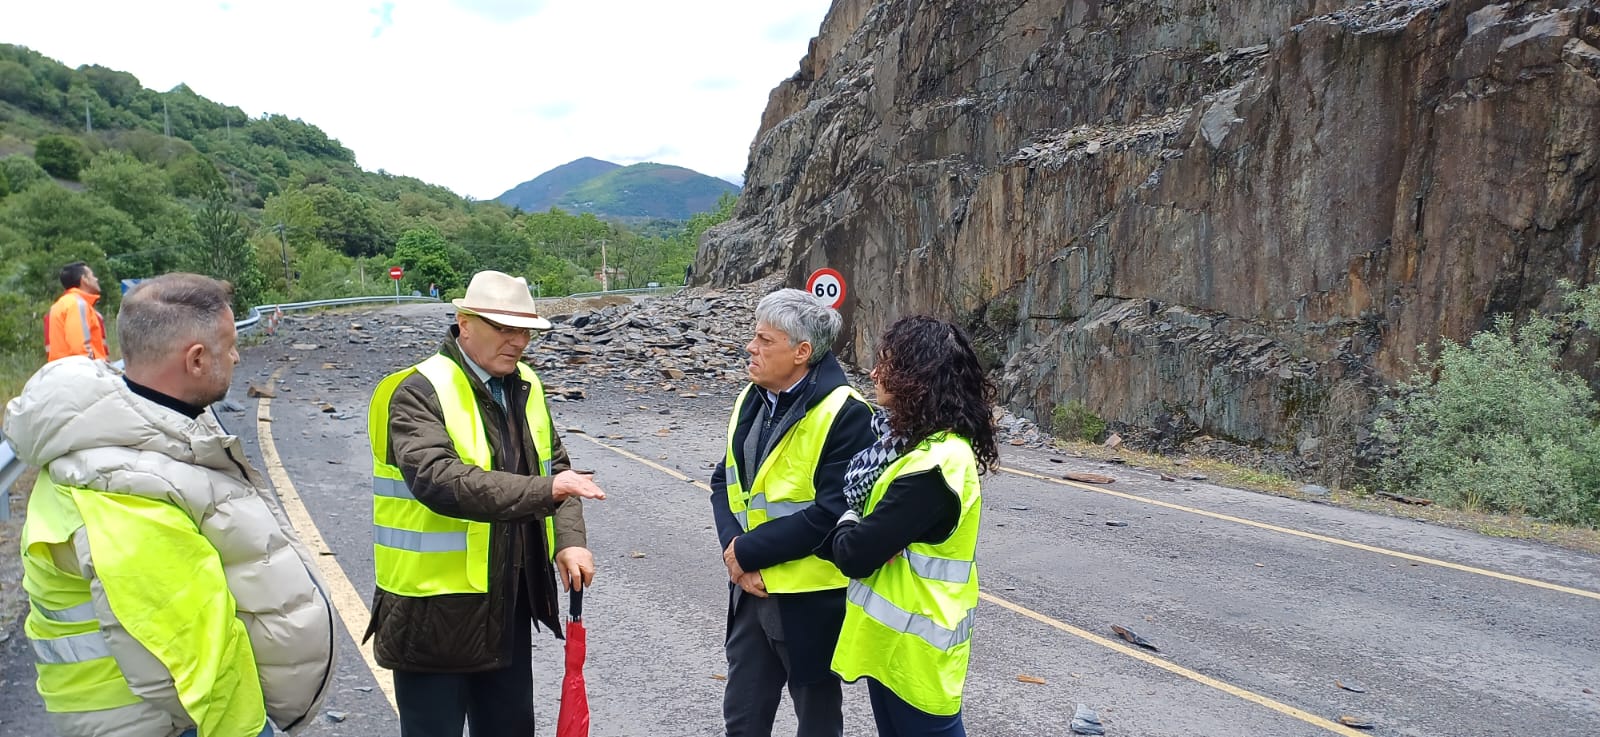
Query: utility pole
x=605, y=275
x=284, y=240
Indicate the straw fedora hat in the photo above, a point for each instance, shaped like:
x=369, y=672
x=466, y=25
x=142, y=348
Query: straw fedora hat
x=502, y=299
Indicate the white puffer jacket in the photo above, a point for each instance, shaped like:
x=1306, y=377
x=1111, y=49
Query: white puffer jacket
x=78, y=419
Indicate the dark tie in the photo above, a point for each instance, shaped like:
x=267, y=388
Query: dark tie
x=497, y=388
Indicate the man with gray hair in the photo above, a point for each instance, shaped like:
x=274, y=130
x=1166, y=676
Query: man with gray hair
x=168, y=596
x=775, y=496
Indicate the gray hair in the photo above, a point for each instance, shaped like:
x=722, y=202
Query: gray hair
x=802, y=318
x=161, y=312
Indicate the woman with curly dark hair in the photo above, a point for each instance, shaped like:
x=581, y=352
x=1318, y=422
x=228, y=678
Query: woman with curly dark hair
x=909, y=541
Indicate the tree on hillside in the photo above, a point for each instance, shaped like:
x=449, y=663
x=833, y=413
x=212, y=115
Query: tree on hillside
x=61, y=156
x=22, y=172
x=138, y=189
x=222, y=249
x=425, y=256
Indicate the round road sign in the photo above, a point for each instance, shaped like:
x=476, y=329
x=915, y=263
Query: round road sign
x=827, y=285
x=396, y=272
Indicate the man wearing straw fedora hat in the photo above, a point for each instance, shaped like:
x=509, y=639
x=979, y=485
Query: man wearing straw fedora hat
x=473, y=499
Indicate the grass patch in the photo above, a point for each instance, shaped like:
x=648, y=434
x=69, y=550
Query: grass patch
x=1358, y=497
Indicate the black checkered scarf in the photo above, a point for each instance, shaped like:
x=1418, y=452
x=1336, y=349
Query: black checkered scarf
x=868, y=465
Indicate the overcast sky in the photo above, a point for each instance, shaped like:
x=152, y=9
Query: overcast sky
x=475, y=95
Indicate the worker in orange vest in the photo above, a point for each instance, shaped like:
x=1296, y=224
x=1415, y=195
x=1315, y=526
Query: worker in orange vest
x=73, y=327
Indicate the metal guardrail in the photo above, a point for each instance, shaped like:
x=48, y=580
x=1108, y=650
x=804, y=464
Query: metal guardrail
x=641, y=290
x=11, y=467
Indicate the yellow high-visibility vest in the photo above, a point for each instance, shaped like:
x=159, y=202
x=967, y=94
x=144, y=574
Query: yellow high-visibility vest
x=783, y=486
x=909, y=624
x=192, y=629
x=419, y=552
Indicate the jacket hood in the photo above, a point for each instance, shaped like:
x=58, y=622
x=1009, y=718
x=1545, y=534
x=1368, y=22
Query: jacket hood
x=75, y=404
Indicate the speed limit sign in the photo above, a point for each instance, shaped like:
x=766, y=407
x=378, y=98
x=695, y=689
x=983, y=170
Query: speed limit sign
x=827, y=286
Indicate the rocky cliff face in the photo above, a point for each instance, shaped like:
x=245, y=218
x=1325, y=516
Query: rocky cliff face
x=1238, y=219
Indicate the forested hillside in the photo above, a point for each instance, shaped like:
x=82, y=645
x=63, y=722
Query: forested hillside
x=94, y=166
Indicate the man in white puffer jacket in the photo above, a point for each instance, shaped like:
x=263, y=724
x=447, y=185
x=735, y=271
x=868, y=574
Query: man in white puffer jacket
x=168, y=594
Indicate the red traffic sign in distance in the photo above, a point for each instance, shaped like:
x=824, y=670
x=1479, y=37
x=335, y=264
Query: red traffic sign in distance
x=827, y=285
x=396, y=272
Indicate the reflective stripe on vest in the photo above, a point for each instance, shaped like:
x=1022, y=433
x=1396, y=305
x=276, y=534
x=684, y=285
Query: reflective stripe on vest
x=418, y=552
x=784, y=485
x=909, y=624
x=952, y=570
x=900, y=620
x=81, y=613
x=74, y=649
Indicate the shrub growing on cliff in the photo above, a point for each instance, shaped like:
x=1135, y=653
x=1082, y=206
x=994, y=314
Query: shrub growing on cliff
x=1495, y=425
x=1074, y=421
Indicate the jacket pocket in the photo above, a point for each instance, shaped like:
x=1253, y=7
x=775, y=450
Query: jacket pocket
x=448, y=633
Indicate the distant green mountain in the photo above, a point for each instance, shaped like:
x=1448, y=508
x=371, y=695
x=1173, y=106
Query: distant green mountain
x=638, y=191
x=544, y=191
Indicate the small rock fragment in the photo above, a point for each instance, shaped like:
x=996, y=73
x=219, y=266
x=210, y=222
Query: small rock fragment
x=336, y=716
x=1088, y=478
x=1031, y=679
x=1115, y=523
x=1314, y=490
x=1132, y=637
x=1085, y=721
x=1355, y=722
x=1114, y=441
x=1351, y=687
x=257, y=392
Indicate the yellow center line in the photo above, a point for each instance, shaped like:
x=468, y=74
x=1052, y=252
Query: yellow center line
x=1140, y=655
x=351, y=607
x=1313, y=536
x=1165, y=665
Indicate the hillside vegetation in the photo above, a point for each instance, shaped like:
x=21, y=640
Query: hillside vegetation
x=96, y=167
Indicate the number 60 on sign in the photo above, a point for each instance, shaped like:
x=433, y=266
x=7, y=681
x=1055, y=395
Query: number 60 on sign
x=827, y=286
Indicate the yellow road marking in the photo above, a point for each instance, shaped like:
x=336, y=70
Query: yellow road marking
x=351, y=607
x=1203, y=679
x=1313, y=536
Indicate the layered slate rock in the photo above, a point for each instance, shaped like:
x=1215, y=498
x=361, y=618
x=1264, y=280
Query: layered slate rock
x=1231, y=219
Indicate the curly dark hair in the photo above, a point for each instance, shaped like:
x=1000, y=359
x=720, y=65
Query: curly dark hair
x=934, y=382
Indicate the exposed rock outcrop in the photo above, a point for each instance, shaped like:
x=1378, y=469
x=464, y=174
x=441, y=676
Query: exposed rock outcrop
x=1233, y=218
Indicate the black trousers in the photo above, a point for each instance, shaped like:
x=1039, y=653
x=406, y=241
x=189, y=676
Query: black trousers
x=758, y=668
x=496, y=703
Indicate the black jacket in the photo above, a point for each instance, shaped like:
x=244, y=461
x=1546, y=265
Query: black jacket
x=474, y=632
x=811, y=621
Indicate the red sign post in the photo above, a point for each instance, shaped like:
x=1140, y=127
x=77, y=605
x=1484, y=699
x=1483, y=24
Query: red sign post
x=395, y=272
x=827, y=286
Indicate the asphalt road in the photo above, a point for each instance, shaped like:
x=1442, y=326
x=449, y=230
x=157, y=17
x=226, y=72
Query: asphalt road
x=1259, y=606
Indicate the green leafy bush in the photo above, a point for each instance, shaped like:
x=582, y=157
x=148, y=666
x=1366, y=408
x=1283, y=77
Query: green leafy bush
x=1074, y=421
x=22, y=172
x=1500, y=428
x=61, y=156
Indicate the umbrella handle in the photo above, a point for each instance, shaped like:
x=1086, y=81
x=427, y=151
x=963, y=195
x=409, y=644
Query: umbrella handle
x=576, y=605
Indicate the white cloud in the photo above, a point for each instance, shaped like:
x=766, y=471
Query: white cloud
x=476, y=95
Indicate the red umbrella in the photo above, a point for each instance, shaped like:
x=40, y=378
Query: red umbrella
x=574, y=719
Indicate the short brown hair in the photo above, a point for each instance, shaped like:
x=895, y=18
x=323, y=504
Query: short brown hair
x=160, y=312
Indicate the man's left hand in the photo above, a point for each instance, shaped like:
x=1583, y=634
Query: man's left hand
x=576, y=566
